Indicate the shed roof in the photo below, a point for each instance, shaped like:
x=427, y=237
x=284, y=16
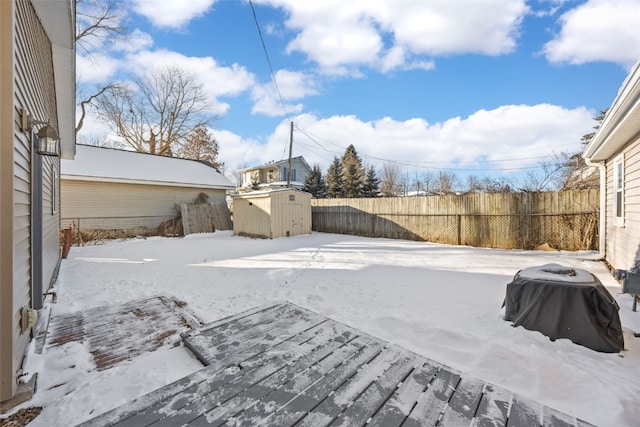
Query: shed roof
x=621, y=124
x=268, y=193
x=111, y=165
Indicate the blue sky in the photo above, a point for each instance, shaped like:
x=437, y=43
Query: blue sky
x=482, y=87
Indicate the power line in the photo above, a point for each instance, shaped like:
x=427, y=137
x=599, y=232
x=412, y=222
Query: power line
x=423, y=164
x=273, y=75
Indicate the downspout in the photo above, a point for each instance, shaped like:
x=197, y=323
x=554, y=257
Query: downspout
x=602, y=224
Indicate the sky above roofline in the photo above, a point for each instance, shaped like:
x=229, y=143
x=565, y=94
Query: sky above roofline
x=473, y=88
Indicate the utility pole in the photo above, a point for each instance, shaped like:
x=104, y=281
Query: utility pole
x=290, y=149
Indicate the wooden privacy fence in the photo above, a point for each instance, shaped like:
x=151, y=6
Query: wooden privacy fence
x=566, y=220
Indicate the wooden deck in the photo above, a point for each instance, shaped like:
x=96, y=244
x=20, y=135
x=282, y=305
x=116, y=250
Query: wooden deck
x=284, y=365
x=120, y=332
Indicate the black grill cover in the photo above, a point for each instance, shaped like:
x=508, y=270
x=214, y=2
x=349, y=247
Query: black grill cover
x=562, y=302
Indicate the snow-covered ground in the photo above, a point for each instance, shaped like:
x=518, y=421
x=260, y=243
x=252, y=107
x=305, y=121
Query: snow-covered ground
x=443, y=302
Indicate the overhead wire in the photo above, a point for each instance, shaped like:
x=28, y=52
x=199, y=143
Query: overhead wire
x=415, y=164
x=273, y=74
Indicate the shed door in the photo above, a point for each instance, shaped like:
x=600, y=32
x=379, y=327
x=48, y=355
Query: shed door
x=297, y=221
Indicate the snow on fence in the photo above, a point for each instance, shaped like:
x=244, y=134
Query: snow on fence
x=565, y=220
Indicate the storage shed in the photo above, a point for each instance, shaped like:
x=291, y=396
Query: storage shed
x=272, y=214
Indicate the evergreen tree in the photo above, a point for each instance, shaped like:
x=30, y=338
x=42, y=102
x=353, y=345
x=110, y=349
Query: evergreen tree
x=334, y=179
x=352, y=173
x=371, y=186
x=314, y=183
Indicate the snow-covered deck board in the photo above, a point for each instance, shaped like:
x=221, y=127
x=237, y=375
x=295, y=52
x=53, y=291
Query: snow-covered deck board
x=284, y=365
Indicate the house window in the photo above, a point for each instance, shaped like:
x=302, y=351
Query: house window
x=286, y=174
x=618, y=190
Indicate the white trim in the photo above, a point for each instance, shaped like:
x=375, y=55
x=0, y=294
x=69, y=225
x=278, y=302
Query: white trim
x=618, y=190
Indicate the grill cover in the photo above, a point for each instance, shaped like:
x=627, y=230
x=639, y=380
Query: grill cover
x=562, y=302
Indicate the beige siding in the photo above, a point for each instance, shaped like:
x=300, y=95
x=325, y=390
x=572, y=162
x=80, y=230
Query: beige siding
x=623, y=243
x=272, y=215
x=106, y=205
x=252, y=216
x=290, y=214
x=7, y=384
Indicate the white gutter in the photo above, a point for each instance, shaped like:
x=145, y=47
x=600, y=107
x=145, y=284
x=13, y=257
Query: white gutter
x=602, y=219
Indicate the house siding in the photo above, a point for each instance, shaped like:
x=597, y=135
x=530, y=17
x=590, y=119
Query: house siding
x=26, y=82
x=7, y=385
x=108, y=205
x=623, y=243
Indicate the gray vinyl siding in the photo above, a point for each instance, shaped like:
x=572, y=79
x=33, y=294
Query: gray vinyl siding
x=108, y=205
x=34, y=91
x=623, y=242
x=50, y=221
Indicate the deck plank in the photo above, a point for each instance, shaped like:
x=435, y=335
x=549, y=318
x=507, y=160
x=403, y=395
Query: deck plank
x=464, y=402
x=284, y=365
x=304, y=402
x=551, y=417
x=305, y=377
x=378, y=392
x=227, y=374
x=433, y=401
x=524, y=413
x=494, y=406
x=211, y=347
x=399, y=406
x=271, y=382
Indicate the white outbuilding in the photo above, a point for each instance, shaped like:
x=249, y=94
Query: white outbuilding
x=110, y=189
x=272, y=214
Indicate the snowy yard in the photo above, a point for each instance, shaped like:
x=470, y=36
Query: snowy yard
x=443, y=302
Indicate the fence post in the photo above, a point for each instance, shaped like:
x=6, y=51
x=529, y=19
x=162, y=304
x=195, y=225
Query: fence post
x=459, y=225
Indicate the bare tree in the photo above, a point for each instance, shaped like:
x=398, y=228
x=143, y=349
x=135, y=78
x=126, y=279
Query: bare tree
x=98, y=22
x=548, y=175
x=156, y=114
x=497, y=185
x=390, y=185
x=446, y=182
x=201, y=145
x=474, y=184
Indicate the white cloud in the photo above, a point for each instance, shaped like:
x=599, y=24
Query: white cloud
x=172, y=13
x=292, y=86
x=598, y=30
x=95, y=68
x=218, y=81
x=341, y=37
x=499, y=135
x=135, y=41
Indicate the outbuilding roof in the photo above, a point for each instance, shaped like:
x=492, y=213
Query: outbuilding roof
x=112, y=165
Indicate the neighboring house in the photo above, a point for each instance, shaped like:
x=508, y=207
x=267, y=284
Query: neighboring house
x=274, y=175
x=110, y=189
x=615, y=148
x=37, y=104
x=272, y=214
